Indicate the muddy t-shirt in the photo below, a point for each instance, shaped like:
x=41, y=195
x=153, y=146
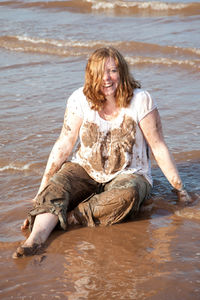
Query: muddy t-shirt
x=108, y=148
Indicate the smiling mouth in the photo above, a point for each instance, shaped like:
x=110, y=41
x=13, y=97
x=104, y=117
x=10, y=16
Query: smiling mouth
x=107, y=85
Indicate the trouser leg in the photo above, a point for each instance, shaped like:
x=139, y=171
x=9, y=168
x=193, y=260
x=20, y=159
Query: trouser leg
x=65, y=190
x=121, y=197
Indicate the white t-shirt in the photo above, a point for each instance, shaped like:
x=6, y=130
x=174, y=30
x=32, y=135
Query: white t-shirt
x=108, y=148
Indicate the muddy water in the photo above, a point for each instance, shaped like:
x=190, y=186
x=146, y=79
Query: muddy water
x=43, y=50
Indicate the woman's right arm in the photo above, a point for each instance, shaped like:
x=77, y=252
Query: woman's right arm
x=62, y=147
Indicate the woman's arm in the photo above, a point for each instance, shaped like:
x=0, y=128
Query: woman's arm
x=152, y=129
x=62, y=147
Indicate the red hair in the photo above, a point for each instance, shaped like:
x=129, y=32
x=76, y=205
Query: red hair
x=94, y=75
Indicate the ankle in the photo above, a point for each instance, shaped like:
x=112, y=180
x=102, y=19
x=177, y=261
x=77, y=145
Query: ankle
x=38, y=239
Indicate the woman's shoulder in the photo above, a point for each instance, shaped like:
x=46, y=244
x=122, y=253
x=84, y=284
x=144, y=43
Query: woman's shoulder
x=142, y=103
x=140, y=93
x=78, y=103
x=78, y=96
x=141, y=97
x=78, y=92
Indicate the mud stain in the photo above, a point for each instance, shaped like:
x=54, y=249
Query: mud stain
x=111, y=150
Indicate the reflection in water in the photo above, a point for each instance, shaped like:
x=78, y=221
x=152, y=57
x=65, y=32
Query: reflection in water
x=162, y=233
x=155, y=255
x=126, y=261
x=115, y=261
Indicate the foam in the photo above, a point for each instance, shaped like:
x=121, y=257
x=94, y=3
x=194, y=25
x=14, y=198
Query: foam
x=154, y=5
x=12, y=166
x=163, y=61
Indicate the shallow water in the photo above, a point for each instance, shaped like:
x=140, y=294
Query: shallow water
x=44, y=46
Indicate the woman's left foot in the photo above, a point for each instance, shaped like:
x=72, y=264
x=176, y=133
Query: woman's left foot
x=23, y=251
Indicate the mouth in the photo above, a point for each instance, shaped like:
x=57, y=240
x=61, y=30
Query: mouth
x=107, y=85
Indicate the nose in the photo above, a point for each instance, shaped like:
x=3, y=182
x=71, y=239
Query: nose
x=106, y=75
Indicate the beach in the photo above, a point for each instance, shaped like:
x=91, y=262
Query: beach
x=44, y=47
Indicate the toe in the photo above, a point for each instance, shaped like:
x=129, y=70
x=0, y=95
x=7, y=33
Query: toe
x=18, y=253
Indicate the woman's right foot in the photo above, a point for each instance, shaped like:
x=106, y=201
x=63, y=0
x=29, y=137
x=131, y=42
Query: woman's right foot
x=71, y=219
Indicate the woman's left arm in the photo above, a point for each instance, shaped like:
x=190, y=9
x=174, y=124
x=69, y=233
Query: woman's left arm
x=152, y=130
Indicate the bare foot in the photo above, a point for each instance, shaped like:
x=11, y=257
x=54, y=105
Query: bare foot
x=23, y=251
x=71, y=219
x=42, y=227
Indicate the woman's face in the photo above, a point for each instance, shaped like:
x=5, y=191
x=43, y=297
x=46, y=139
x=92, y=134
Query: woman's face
x=111, y=78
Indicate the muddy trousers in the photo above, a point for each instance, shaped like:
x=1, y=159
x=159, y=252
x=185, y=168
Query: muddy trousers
x=91, y=203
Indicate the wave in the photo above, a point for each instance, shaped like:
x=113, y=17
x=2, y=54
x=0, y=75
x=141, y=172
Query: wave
x=163, y=61
x=166, y=203
x=116, y=7
x=148, y=53
x=190, y=212
x=15, y=167
x=185, y=158
x=147, y=7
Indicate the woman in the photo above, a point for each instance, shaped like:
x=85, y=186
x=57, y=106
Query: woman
x=108, y=176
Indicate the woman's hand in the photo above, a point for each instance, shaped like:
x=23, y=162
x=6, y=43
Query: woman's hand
x=25, y=225
x=183, y=196
x=26, y=221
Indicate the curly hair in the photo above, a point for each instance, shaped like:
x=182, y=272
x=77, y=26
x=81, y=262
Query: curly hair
x=94, y=75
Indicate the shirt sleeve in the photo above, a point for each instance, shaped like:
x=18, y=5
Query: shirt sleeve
x=75, y=103
x=145, y=104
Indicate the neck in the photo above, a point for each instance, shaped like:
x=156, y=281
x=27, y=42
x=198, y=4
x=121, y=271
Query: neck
x=110, y=105
x=110, y=99
x=110, y=110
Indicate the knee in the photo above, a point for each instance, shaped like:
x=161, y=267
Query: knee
x=130, y=195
